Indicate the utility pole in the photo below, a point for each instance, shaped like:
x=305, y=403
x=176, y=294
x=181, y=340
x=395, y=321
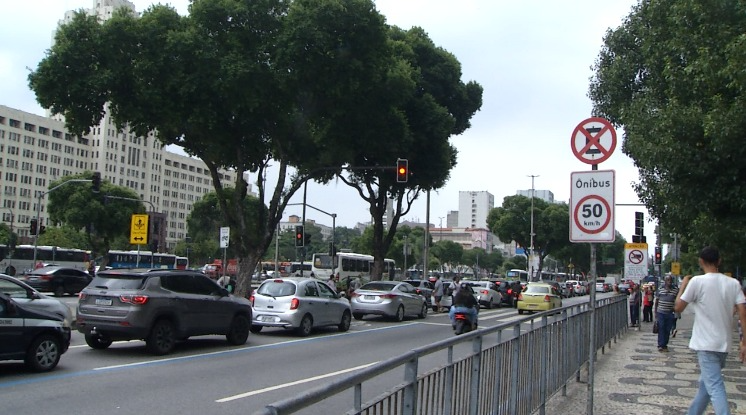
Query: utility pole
x=531, y=247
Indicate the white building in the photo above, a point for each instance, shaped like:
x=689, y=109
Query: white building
x=545, y=195
x=473, y=208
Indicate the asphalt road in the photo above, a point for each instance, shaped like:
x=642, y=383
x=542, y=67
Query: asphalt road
x=207, y=376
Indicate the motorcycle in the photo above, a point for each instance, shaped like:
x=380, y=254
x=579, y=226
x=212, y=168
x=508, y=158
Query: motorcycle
x=462, y=324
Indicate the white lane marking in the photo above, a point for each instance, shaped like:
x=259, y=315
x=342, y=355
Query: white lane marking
x=297, y=382
x=264, y=346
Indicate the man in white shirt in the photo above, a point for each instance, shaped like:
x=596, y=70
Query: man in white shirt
x=713, y=297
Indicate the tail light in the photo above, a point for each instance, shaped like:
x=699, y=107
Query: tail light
x=251, y=298
x=82, y=296
x=520, y=297
x=418, y=291
x=547, y=298
x=510, y=291
x=134, y=299
x=354, y=294
x=485, y=292
x=46, y=278
x=294, y=304
x=389, y=296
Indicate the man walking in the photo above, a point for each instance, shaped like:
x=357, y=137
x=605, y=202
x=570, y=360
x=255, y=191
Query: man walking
x=713, y=296
x=438, y=294
x=664, y=302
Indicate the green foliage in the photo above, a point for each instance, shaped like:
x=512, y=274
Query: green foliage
x=448, y=252
x=672, y=76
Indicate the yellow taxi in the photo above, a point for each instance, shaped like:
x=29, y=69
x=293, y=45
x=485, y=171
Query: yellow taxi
x=539, y=297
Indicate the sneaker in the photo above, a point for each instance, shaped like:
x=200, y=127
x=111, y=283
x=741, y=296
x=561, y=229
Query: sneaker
x=673, y=334
x=660, y=349
x=665, y=349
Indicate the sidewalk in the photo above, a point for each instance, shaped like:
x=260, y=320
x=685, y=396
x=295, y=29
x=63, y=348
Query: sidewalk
x=633, y=377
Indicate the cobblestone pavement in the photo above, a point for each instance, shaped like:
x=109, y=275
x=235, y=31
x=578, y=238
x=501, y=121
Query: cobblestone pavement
x=633, y=377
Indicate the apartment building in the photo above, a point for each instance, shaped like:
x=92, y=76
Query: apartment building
x=473, y=208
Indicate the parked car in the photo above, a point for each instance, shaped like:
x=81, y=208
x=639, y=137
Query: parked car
x=539, y=297
x=388, y=298
x=160, y=307
x=58, y=280
x=570, y=288
x=37, y=337
x=422, y=287
x=27, y=296
x=487, y=293
x=561, y=288
x=300, y=304
x=624, y=287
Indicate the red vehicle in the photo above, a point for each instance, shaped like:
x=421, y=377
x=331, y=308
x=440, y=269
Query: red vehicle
x=215, y=270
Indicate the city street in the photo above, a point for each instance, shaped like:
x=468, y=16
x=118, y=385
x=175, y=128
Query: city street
x=206, y=375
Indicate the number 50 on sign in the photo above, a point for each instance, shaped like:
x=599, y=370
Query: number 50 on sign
x=592, y=206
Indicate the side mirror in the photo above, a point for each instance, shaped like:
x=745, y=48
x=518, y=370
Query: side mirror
x=34, y=295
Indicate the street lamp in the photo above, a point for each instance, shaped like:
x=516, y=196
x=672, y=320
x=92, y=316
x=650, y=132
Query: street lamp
x=531, y=247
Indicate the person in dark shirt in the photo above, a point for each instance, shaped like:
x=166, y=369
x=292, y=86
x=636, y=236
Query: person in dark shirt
x=464, y=302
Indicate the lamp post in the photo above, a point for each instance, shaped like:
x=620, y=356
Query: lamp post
x=9, y=269
x=531, y=247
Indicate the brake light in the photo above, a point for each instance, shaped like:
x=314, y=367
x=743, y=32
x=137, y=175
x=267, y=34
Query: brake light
x=547, y=298
x=354, y=294
x=278, y=281
x=134, y=299
x=418, y=291
x=46, y=278
x=485, y=292
x=82, y=296
x=389, y=296
x=251, y=298
x=294, y=304
x=520, y=297
x=510, y=291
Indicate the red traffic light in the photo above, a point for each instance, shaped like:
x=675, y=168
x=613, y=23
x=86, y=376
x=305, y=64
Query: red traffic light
x=299, y=236
x=402, y=170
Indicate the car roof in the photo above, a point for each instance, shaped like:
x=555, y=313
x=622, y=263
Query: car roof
x=140, y=272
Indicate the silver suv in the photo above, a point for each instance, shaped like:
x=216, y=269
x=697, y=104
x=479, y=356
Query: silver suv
x=160, y=307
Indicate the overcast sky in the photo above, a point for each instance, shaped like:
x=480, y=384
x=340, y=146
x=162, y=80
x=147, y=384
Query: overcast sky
x=533, y=58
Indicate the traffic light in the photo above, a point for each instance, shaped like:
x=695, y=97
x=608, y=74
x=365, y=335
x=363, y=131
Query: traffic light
x=657, y=255
x=299, y=236
x=96, y=182
x=402, y=170
x=33, y=226
x=639, y=223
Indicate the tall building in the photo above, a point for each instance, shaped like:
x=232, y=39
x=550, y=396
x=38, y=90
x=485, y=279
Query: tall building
x=473, y=208
x=545, y=195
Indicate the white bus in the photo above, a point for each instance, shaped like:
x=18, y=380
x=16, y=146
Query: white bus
x=21, y=260
x=517, y=274
x=348, y=264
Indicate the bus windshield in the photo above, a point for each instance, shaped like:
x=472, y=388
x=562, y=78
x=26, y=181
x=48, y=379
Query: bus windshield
x=322, y=261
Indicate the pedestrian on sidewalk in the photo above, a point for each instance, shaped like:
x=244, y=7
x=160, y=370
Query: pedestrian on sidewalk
x=647, y=304
x=713, y=297
x=664, y=302
x=634, y=299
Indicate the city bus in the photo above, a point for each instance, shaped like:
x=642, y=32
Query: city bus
x=145, y=259
x=348, y=264
x=21, y=259
x=517, y=275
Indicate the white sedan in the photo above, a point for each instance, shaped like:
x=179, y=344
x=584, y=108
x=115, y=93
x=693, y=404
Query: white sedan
x=487, y=293
x=578, y=287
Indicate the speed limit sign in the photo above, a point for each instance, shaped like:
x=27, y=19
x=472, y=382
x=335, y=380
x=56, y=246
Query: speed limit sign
x=592, y=206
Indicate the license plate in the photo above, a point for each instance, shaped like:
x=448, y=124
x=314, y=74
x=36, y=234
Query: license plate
x=103, y=301
x=369, y=297
x=267, y=319
x=532, y=306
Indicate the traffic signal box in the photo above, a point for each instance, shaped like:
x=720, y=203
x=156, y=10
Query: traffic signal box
x=402, y=170
x=300, y=238
x=96, y=182
x=658, y=255
x=639, y=236
x=33, y=227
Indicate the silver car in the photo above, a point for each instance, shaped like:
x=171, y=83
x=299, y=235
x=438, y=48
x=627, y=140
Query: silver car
x=300, y=304
x=487, y=293
x=29, y=297
x=394, y=299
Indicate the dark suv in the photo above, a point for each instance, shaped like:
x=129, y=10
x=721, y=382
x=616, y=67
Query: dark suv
x=509, y=291
x=160, y=307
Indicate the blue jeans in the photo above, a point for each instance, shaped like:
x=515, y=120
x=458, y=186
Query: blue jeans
x=471, y=312
x=665, y=323
x=711, y=385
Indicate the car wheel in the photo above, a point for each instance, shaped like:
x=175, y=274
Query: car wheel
x=344, y=325
x=256, y=328
x=306, y=324
x=97, y=341
x=399, y=316
x=162, y=338
x=489, y=304
x=59, y=291
x=44, y=353
x=423, y=311
x=358, y=316
x=520, y=311
x=239, y=331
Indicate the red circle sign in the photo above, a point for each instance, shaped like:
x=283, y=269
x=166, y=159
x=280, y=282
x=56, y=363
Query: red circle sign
x=635, y=256
x=593, y=140
x=581, y=223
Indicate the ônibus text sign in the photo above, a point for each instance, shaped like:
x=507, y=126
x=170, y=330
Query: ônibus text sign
x=592, y=206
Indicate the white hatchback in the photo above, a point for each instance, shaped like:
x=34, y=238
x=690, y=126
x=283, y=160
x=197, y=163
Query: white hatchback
x=578, y=287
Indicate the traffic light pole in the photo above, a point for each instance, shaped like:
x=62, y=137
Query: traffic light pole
x=38, y=210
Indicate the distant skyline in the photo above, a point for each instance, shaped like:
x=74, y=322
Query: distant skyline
x=533, y=59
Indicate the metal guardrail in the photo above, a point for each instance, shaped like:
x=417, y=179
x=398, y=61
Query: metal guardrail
x=515, y=375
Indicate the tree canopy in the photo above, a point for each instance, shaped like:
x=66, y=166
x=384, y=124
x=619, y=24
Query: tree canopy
x=672, y=76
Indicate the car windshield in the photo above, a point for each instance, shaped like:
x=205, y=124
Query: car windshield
x=118, y=282
x=277, y=288
x=537, y=289
x=378, y=286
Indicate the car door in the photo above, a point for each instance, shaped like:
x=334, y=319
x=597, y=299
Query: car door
x=78, y=279
x=410, y=298
x=332, y=306
x=193, y=316
x=218, y=308
x=11, y=328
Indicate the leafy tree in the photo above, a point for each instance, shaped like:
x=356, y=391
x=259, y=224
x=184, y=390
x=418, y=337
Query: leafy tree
x=512, y=222
x=672, y=76
x=229, y=83
x=65, y=237
x=75, y=206
x=448, y=252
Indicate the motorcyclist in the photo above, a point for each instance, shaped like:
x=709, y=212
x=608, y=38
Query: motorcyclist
x=464, y=302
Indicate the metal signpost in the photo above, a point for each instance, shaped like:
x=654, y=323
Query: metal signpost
x=225, y=236
x=592, y=207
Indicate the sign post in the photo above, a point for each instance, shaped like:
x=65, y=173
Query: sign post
x=592, y=207
x=636, y=261
x=225, y=236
